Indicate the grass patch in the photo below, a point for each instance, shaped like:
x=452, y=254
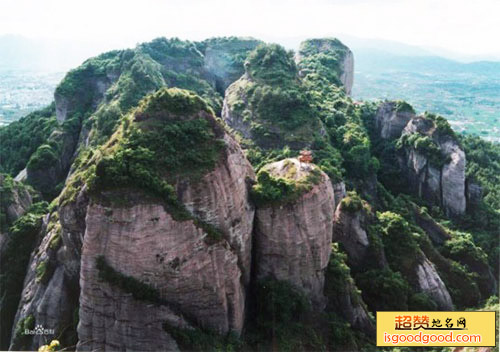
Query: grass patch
x=403, y=106
x=42, y=271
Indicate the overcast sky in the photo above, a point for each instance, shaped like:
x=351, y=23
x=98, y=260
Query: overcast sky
x=463, y=26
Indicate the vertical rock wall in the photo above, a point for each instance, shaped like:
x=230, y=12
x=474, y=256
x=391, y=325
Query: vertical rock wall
x=293, y=240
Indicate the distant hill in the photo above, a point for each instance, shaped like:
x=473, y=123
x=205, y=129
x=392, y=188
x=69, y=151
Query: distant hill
x=381, y=61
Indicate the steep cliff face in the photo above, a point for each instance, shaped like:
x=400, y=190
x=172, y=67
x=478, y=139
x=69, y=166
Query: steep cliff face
x=349, y=230
x=347, y=68
x=76, y=98
x=194, y=279
x=49, y=297
x=431, y=157
x=474, y=194
x=18, y=233
x=430, y=282
x=197, y=261
x=292, y=241
x=350, y=226
x=224, y=58
x=436, y=232
x=50, y=163
x=441, y=180
x=67, y=103
x=194, y=262
x=162, y=230
x=343, y=297
x=221, y=198
x=453, y=178
x=392, y=118
x=339, y=192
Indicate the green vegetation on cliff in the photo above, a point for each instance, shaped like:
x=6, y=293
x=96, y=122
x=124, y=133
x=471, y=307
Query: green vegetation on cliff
x=341, y=118
x=270, y=100
x=92, y=99
x=171, y=135
x=157, y=145
x=44, y=156
x=352, y=202
x=15, y=198
x=425, y=146
x=271, y=64
x=403, y=106
x=27, y=323
x=322, y=57
x=20, y=139
x=271, y=189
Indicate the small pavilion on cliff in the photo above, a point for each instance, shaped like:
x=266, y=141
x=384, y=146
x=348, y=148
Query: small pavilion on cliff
x=305, y=156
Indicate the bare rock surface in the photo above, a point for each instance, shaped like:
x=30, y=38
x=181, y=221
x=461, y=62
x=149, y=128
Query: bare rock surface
x=441, y=184
x=444, y=186
x=339, y=192
x=453, y=178
x=347, y=68
x=390, y=122
x=293, y=240
x=201, y=281
x=349, y=230
x=221, y=198
x=235, y=92
x=65, y=105
x=430, y=283
x=128, y=324
x=474, y=193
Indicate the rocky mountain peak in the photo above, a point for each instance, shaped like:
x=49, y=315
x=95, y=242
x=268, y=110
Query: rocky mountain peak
x=293, y=239
x=339, y=69
x=290, y=169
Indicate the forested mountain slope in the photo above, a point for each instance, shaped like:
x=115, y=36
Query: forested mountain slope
x=160, y=204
